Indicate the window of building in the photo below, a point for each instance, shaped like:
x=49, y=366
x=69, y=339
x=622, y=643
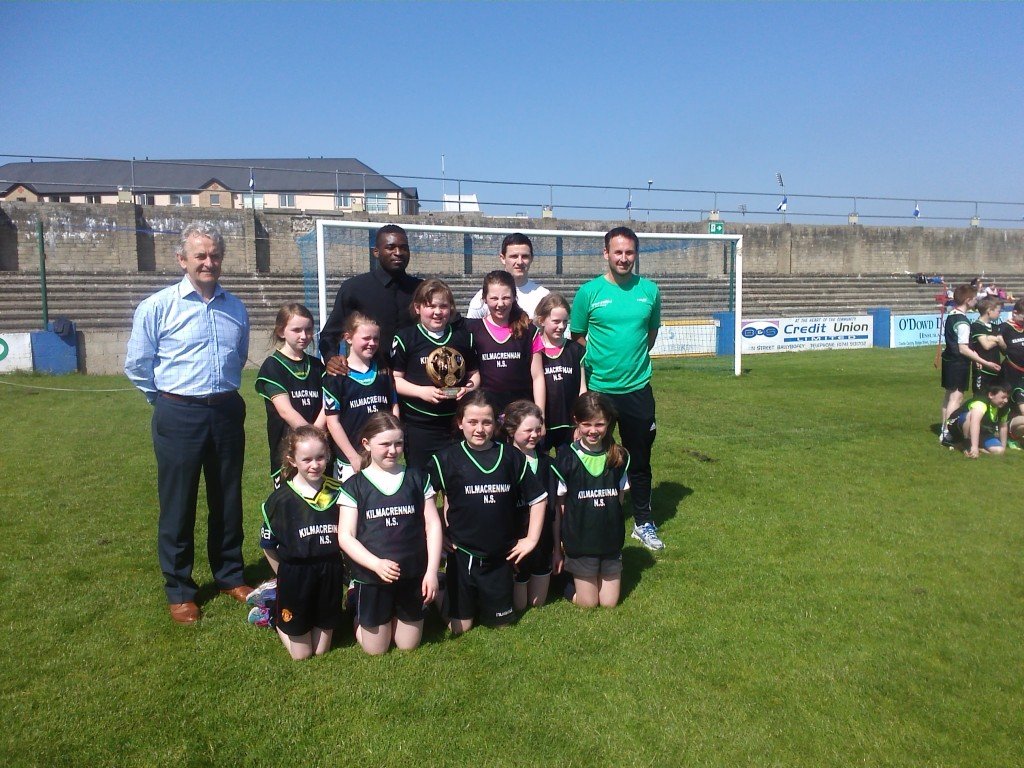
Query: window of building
x=60, y=198
x=376, y=202
x=181, y=199
x=342, y=200
x=93, y=199
x=215, y=198
x=286, y=201
x=252, y=201
x=145, y=199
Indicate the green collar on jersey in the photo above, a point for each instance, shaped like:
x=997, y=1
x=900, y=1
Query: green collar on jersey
x=469, y=453
x=594, y=463
x=297, y=368
x=325, y=498
x=399, y=475
x=438, y=341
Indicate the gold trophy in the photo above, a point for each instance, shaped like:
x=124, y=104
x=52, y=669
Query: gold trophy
x=446, y=367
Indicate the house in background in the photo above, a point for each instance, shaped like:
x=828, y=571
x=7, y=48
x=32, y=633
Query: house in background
x=317, y=184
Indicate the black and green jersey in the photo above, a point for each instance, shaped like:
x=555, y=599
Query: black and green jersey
x=992, y=418
x=543, y=467
x=301, y=529
x=483, y=490
x=955, y=331
x=390, y=526
x=593, y=522
x=409, y=353
x=1013, y=335
x=980, y=328
x=300, y=380
x=563, y=374
x=356, y=397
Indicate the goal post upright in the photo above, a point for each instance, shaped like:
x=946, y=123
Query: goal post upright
x=322, y=225
x=321, y=272
x=737, y=352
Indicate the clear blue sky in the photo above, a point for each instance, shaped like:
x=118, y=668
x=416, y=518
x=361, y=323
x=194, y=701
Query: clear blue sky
x=915, y=100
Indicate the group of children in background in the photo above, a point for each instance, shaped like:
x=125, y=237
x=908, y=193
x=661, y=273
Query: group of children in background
x=987, y=357
x=367, y=464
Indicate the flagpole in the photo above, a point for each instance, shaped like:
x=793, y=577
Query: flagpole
x=785, y=200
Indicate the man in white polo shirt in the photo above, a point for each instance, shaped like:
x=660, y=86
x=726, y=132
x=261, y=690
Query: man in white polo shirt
x=516, y=258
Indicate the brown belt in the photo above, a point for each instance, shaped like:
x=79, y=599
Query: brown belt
x=219, y=397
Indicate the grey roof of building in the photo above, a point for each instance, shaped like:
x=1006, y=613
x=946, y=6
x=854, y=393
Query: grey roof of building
x=269, y=174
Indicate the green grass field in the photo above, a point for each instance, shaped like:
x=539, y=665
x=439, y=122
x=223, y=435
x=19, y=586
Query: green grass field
x=837, y=590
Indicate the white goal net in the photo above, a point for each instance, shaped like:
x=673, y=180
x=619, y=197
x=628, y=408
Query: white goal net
x=700, y=276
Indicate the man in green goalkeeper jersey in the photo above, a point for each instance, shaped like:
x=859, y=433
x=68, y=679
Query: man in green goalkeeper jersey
x=616, y=316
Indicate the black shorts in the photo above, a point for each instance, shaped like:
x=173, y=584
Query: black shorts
x=556, y=437
x=956, y=424
x=956, y=374
x=538, y=562
x=424, y=440
x=980, y=382
x=309, y=595
x=955, y=428
x=378, y=604
x=480, y=589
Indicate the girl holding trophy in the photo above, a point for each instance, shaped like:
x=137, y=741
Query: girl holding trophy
x=434, y=364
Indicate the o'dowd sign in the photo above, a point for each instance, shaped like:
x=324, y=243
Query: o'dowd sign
x=15, y=352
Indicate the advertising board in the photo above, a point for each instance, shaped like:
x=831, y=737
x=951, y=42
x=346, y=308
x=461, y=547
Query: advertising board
x=798, y=334
x=922, y=330
x=15, y=352
x=685, y=338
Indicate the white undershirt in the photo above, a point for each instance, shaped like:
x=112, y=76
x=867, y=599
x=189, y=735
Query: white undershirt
x=527, y=297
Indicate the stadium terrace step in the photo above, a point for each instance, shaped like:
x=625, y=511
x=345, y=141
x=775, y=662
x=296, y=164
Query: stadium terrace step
x=107, y=301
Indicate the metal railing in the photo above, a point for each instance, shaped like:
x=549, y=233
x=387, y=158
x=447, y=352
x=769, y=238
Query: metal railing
x=615, y=201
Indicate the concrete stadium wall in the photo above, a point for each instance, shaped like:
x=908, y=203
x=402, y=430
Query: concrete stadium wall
x=127, y=237
x=83, y=237
x=101, y=352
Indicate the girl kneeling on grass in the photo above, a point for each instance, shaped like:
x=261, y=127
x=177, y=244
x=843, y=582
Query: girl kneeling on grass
x=483, y=481
x=390, y=530
x=524, y=425
x=300, y=539
x=591, y=522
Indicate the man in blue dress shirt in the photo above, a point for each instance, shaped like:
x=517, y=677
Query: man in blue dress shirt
x=188, y=345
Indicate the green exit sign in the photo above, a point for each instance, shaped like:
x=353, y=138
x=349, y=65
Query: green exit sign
x=716, y=227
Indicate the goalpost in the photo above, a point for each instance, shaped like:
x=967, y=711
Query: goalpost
x=699, y=275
